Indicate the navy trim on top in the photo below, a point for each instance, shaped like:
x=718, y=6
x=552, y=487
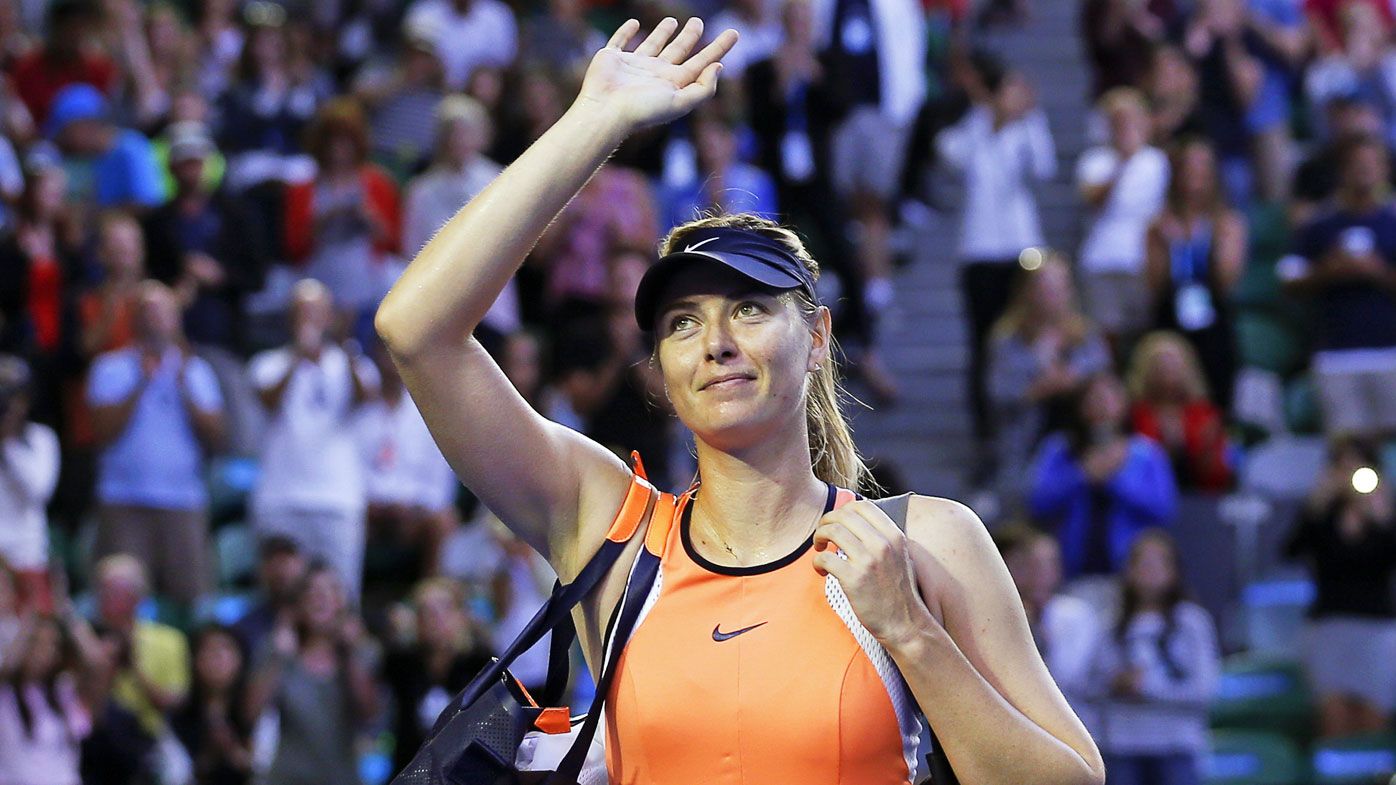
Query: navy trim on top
x=757, y=569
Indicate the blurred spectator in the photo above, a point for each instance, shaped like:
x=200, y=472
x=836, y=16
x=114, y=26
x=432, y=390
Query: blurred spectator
x=68, y=56
x=1157, y=670
x=10, y=621
x=615, y=210
x=1283, y=46
x=1172, y=407
x=108, y=165
x=268, y=105
x=157, y=51
x=521, y=584
x=28, y=474
x=1347, y=535
x=559, y=36
x=318, y=676
x=1119, y=36
x=758, y=25
x=147, y=666
x=1098, y=486
x=1174, y=95
x=311, y=484
x=725, y=184
x=106, y=313
x=1064, y=627
x=1040, y=351
x=791, y=108
x=11, y=181
x=156, y=412
x=280, y=570
x=206, y=244
x=402, y=95
x=459, y=171
x=37, y=265
x=874, y=52
x=1345, y=258
x=1316, y=180
x=210, y=724
x=1329, y=19
x=411, y=489
x=1362, y=68
x=220, y=42
x=44, y=710
x=538, y=101
x=445, y=652
x=1000, y=145
x=1123, y=184
x=469, y=34
x=1225, y=47
x=602, y=364
x=1196, y=255
x=341, y=225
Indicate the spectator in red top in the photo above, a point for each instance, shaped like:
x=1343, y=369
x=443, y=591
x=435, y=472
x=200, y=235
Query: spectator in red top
x=342, y=225
x=1172, y=407
x=67, y=57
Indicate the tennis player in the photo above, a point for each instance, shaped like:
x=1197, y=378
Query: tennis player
x=795, y=629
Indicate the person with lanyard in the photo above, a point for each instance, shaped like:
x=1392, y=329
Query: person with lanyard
x=758, y=660
x=1196, y=253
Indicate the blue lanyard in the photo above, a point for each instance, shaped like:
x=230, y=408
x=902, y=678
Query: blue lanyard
x=1191, y=257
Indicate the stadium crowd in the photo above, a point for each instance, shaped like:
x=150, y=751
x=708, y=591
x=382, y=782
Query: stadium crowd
x=230, y=551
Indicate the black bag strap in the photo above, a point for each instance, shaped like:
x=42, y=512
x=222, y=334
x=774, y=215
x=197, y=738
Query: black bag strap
x=555, y=616
x=941, y=772
x=637, y=591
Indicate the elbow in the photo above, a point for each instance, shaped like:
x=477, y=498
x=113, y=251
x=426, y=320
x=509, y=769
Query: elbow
x=396, y=330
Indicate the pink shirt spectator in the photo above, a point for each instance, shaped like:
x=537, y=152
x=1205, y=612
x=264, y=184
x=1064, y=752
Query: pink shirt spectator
x=47, y=752
x=615, y=210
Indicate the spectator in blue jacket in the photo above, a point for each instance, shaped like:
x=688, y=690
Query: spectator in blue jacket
x=1098, y=484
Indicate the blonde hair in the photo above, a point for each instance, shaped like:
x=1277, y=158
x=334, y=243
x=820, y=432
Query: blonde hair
x=1146, y=354
x=1017, y=320
x=1121, y=98
x=833, y=453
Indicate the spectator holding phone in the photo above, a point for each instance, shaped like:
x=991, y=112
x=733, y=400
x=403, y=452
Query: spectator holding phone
x=44, y=712
x=1098, y=484
x=1345, y=260
x=1347, y=534
x=210, y=724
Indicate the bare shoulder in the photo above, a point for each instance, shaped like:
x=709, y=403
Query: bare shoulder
x=951, y=551
x=944, y=525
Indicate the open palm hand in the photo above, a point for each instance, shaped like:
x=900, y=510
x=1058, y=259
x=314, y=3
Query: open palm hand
x=658, y=81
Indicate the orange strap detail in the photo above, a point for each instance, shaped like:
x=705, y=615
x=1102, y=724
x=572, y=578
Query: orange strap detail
x=554, y=720
x=632, y=511
x=666, y=510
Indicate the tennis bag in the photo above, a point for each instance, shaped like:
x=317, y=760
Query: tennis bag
x=495, y=733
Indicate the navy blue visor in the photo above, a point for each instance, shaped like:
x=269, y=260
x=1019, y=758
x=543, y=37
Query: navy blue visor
x=763, y=259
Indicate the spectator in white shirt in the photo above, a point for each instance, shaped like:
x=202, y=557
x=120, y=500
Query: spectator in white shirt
x=459, y=172
x=469, y=34
x=411, y=488
x=28, y=474
x=311, y=485
x=1123, y=183
x=1000, y=146
x=1064, y=627
x=759, y=26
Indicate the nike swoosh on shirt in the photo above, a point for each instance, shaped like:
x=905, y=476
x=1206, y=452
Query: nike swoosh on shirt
x=719, y=635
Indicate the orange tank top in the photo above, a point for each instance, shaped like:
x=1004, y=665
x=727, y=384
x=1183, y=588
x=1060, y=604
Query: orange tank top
x=754, y=676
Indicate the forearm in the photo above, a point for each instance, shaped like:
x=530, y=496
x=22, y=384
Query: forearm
x=448, y=287
x=986, y=739
x=208, y=426
x=109, y=422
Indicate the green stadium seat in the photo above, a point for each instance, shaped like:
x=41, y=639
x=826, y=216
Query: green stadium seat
x=1301, y=406
x=1355, y=760
x=236, y=548
x=1264, y=693
x=1245, y=757
x=1265, y=341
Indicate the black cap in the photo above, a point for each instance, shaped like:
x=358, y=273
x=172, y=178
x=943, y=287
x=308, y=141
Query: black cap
x=761, y=258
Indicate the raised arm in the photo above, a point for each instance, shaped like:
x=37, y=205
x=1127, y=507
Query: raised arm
x=550, y=485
